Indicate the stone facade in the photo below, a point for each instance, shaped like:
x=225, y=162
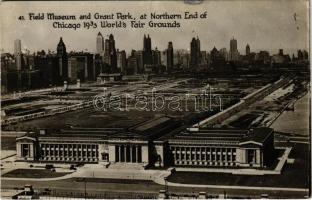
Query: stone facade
x=198, y=147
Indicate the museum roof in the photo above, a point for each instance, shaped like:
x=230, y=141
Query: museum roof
x=151, y=129
x=258, y=135
x=233, y=135
x=228, y=135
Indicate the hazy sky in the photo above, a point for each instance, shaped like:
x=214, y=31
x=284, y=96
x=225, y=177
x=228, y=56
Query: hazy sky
x=265, y=24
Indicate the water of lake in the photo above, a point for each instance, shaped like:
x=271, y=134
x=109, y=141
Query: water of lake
x=295, y=121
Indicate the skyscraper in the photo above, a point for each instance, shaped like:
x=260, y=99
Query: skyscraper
x=107, y=59
x=113, y=53
x=121, y=60
x=147, y=51
x=300, y=55
x=224, y=53
x=140, y=65
x=132, y=67
x=62, y=56
x=163, y=59
x=247, y=50
x=233, y=54
x=169, y=56
x=156, y=56
x=18, y=54
x=61, y=48
x=99, y=43
x=195, y=52
x=110, y=54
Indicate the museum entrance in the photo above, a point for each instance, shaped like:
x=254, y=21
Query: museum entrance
x=25, y=150
x=251, y=156
x=128, y=153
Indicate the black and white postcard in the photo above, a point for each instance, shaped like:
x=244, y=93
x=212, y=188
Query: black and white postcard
x=188, y=99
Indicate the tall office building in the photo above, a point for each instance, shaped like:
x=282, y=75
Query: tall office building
x=224, y=53
x=203, y=58
x=18, y=54
x=156, y=57
x=62, y=57
x=132, y=67
x=195, y=52
x=110, y=54
x=140, y=65
x=233, y=54
x=72, y=69
x=163, y=59
x=113, y=52
x=147, y=51
x=121, y=60
x=107, y=58
x=61, y=48
x=169, y=56
x=247, y=50
x=99, y=43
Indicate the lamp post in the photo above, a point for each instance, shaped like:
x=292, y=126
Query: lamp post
x=166, y=187
x=85, y=188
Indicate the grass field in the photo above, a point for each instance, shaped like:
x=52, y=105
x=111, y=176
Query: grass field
x=34, y=173
x=8, y=143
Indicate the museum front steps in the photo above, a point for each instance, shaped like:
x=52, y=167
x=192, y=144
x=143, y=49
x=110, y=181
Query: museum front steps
x=130, y=166
x=120, y=172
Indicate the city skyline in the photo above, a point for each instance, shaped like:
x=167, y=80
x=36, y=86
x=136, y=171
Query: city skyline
x=242, y=50
x=235, y=22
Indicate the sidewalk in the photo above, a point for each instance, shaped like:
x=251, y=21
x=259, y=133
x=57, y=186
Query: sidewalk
x=239, y=187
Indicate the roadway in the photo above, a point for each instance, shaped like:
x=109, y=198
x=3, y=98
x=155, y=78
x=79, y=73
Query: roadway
x=72, y=187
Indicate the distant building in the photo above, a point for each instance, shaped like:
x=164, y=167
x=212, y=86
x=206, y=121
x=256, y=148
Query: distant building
x=98, y=64
x=216, y=58
x=156, y=57
x=99, y=43
x=224, y=54
x=203, y=58
x=132, y=66
x=305, y=55
x=233, y=53
x=85, y=67
x=280, y=58
x=164, y=58
x=195, y=52
x=106, y=56
x=186, y=61
x=110, y=54
x=121, y=60
x=104, y=77
x=247, y=50
x=169, y=52
x=263, y=57
x=140, y=61
x=18, y=61
x=302, y=56
x=72, y=69
x=147, y=51
x=62, y=57
x=182, y=57
x=18, y=54
x=48, y=66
